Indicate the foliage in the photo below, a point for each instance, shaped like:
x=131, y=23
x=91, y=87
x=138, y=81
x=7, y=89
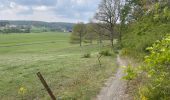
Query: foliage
x=124, y=51
x=90, y=33
x=79, y=30
x=150, y=25
x=16, y=30
x=106, y=53
x=155, y=72
x=140, y=34
x=108, y=14
x=159, y=13
x=130, y=72
x=156, y=66
x=87, y=55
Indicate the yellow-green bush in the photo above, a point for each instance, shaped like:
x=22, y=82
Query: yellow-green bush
x=157, y=69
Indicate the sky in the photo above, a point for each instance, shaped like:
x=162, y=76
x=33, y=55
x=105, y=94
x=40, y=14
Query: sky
x=48, y=10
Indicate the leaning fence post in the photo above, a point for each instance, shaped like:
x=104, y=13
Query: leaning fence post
x=46, y=86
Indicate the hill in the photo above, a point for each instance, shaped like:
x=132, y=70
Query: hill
x=48, y=26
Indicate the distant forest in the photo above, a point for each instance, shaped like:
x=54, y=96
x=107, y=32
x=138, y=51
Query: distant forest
x=8, y=26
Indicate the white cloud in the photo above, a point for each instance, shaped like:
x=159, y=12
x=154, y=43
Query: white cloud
x=83, y=2
x=13, y=9
x=41, y=8
x=12, y=4
x=48, y=10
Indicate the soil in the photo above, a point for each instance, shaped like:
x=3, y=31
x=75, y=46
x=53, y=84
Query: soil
x=115, y=88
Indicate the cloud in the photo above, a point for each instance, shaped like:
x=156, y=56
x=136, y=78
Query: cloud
x=36, y=2
x=49, y=10
x=41, y=8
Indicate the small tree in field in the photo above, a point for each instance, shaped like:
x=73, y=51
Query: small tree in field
x=79, y=30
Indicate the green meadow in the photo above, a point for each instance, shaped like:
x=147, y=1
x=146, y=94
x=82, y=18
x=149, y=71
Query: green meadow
x=68, y=74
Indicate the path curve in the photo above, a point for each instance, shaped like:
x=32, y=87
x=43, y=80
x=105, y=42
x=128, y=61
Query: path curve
x=115, y=87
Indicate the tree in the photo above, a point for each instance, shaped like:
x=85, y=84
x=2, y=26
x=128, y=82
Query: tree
x=108, y=14
x=90, y=33
x=138, y=8
x=124, y=18
x=4, y=24
x=100, y=32
x=79, y=30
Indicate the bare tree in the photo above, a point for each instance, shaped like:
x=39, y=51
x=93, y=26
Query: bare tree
x=108, y=14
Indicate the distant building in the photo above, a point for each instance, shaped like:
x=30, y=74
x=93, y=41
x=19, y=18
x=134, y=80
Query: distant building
x=12, y=26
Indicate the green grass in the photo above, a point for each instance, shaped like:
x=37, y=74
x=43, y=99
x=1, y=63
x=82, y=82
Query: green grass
x=33, y=41
x=68, y=74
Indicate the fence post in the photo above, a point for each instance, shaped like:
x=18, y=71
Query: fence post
x=46, y=86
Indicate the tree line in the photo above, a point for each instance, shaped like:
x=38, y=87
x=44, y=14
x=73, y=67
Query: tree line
x=103, y=26
x=112, y=19
x=87, y=33
x=6, y=27
x=17, y=26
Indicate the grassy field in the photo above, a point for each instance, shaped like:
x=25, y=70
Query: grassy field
x=70, y=76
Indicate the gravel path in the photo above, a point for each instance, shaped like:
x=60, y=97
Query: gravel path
x=115, y=87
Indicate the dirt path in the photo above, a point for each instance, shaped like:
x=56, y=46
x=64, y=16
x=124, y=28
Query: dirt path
x=115, y=88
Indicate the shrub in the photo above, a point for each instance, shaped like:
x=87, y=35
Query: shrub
x=143, y=33
x=87, y=41
x=87, y=55
x=105, y=53
x=130, y=73
x=157, y=70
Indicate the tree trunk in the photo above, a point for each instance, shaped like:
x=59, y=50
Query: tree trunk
x=91, y=41
x=112, y=42
x=120, y=33
x=111, y=35
x=111, y=32
x=80, y=40
x=111, y=39
x=100, y=38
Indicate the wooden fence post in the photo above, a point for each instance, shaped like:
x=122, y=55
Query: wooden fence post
x=46, y=86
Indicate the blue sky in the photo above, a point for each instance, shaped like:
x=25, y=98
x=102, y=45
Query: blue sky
x=48, y=10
